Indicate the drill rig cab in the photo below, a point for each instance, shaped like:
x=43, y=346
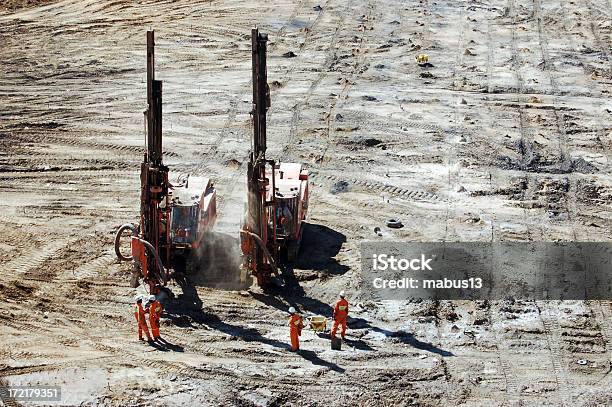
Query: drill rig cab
x=174, y=219
x=291, y=196
x=193, y=213
x=277, y=200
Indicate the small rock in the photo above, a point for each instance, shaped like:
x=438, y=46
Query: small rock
x=317, y=8
x=289, y=54
x=468, y=52
x=460, y=188
x=463, y=101
x=339, y=187
x=369, y=98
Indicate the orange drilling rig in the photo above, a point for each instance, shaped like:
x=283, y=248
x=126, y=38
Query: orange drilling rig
x=277, y=201
x=174, y=218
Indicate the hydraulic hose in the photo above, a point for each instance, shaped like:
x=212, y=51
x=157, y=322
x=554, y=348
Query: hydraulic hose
x=118, y=241
x=163, y=276
x=263, y=247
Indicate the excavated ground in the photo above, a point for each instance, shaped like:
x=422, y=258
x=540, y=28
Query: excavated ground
x=505, y=136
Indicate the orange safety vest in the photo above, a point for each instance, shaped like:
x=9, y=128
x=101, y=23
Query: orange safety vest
x=155, y=309
x=341, y=308
x=296, y=323
x=139, y=313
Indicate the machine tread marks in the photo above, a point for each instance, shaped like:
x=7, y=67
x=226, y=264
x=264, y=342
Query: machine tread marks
x=91, y=144
x=35, y=257
x=95, y=267
x=553, y=337
x=387, y=188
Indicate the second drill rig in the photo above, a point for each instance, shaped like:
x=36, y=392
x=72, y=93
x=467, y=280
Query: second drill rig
x=277, y=201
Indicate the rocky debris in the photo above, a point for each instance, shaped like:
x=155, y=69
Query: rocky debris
x=339, y=187
x=530, y=160
x=361, y=141
x=289, y=54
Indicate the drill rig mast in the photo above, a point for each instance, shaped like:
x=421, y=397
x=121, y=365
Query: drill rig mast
x=277, y=198
x=154, y=183
x=255, y=233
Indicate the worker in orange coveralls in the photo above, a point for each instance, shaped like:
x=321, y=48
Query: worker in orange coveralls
x=295, y=329
x=139, y=313
x=155, y=311
x=340, y=315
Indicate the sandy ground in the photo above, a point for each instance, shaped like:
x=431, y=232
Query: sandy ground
x=507, y=136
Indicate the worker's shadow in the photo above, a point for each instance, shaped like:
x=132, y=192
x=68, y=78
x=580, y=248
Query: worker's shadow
x=312, y=357
x=253, y=335
x=402, y=336
x=186, y=310
x=165, y=346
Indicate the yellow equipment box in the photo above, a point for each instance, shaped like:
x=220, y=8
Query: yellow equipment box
x=318, y=323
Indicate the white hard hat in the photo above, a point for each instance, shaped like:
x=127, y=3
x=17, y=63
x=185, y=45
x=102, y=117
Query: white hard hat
x=342, y=293
x=151, y=298
x=291, y=310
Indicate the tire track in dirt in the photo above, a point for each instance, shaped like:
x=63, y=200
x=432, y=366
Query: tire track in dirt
x=557, y=358
x=96, y=267
x=596, y=10
x=36, y=257
x=559, y=122
x=417, y=195
x=233, y=109
x=358, y=69
x=238, y=196
x=452, y=155
x=514, y=22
